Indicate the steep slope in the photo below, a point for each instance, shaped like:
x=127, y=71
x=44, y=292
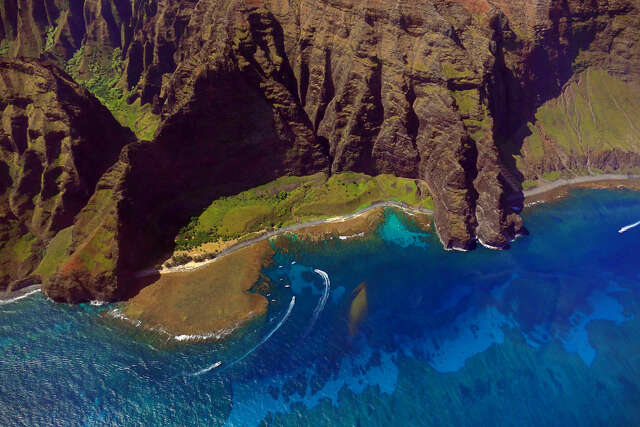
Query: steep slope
x=473, y=96
x=199, y=155
x=592, y=127
x=56, y=140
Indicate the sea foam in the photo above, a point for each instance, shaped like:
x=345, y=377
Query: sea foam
x=18, y=298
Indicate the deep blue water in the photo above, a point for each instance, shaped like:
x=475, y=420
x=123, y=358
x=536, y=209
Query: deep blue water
x=546, y=333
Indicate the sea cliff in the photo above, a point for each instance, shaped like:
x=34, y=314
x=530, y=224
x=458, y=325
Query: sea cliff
x=474, y=98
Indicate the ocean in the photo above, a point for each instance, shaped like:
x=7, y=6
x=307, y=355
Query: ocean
x=385, y=329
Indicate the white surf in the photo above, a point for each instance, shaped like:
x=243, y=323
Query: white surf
x=18, y=298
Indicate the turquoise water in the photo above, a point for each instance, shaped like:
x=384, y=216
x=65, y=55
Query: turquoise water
x=545, y=333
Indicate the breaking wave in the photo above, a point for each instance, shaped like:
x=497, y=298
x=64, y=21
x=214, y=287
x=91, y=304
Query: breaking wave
x=202, y=337
x=351, y=236
x=18, y=298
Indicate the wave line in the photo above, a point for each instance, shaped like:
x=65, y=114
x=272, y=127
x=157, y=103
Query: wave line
x=18, y=298
x=628, y=227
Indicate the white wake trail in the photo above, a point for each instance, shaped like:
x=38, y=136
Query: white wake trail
x=628, y=227
x=321, y=302
x=255, y=347
x=205, y=370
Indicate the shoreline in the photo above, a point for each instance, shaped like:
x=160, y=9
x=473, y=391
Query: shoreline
x=9, y=297
x=194, y=265
x=541, y=190
x=167, y=288
x=586, y=179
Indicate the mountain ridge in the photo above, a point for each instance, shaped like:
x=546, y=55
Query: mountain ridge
x=462, y=94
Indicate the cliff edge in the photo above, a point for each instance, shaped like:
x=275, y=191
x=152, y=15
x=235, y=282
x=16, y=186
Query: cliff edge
x=475, y=97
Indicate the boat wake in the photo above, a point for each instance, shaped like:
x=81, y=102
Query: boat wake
x=255, y=347
x=628, y=227
x=321, y=302
x=18, y=298
x=205, y=370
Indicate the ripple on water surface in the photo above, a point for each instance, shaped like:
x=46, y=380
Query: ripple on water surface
x=482, y=337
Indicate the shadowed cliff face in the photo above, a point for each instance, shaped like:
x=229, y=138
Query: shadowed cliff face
x=56, y=140
x=460, y=93
x=385, y=90
x=432, y=89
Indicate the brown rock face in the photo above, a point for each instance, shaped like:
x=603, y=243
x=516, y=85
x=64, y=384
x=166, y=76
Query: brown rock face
x=449, y=91
x=429, y=89
x=383, y=90
x=56, y=140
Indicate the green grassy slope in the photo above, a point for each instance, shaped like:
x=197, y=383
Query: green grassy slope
x=290, y=200
x=596, y=114
x=101, y=77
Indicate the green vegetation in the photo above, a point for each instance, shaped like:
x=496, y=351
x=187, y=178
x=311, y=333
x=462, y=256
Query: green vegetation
x=51, y=37
x=92, y=254
x=4, y=47
x=105, y=73
x=474, y=113
x=529, y=184
x=552, y=176
x=56, y=253
x=535, y=143
x=289, y=200
x=22, y=248
x=468, y=101
x=597, y=112
x=450, y=71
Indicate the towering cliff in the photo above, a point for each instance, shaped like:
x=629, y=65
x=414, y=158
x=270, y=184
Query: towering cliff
x=473, y=96
x=56, y=140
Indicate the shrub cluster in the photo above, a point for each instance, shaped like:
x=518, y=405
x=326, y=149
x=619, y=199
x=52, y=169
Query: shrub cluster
x=183, y=259
x=191, y=237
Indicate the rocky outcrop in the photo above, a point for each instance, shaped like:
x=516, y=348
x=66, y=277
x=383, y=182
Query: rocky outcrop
x=435, y=89
x=461, y=93
x=56, y=140
x=202, y=152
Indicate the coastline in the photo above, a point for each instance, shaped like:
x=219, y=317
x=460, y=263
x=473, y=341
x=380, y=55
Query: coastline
x=12, y=296
x=195, y=265
x=208, y=300
x=540, y=194
x=207, y=303
x=187, y=303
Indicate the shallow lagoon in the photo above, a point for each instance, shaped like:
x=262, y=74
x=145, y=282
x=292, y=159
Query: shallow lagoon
x=545, y=333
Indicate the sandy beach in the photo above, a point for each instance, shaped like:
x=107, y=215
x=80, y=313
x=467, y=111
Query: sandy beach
x=193, y=265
